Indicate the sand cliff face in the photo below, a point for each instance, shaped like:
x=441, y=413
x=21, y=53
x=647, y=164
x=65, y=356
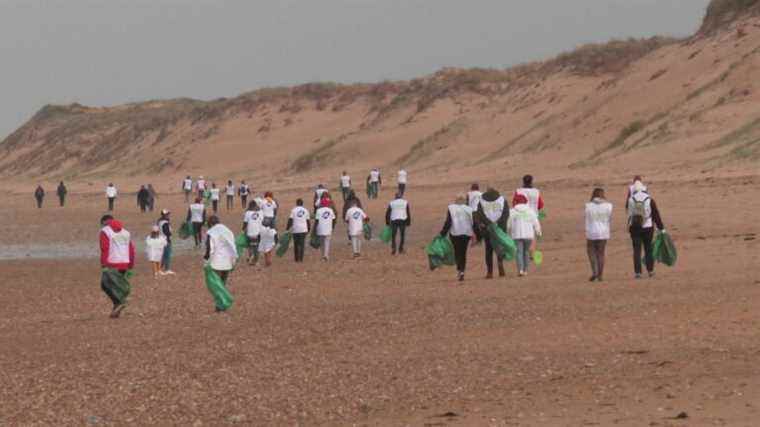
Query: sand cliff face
x=655, y=105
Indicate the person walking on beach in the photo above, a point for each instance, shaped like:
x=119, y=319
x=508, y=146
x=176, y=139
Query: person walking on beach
x=269, y=210
x=142, y=198
x=459, y=227
x=491, y=209
x=200, y=186
x=155, y=244
x=632, y=188
x=117, y=257
x=196, y=216
x=318, y=193
x=111, y=194
x=187, y=188
x=243, y=191
x=374, y=181
x=524, y=227
x=152, y=197
x=398, y=216
x=39, y=195
x=598, y=219
x=345, y=185
x=253, y=220
x=325, y=218
x=355, y=219
x=221, y=251
x=351, y=200
x=62, y=191
x=402, y=179
x=267, y=242
x=214, y=198
x=230, y=193
x=643, y=216
x=299, y=225
x=473, y=196
x=531, y=194
x=165, y=228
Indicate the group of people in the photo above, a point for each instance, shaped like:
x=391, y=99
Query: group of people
x=467, y=222
x=212, y=194
x=61, y=191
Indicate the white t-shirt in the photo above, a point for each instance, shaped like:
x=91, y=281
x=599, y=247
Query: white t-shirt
x=214, y=194
x=267, y=237
x=300, y=215
x=253, y=219
x=223, y=254
x=345, y=181
x=398, y=210
x=201, y=184
x=187, y=184
x=196, y=212
x=268, y=207
x=355, y=217
x=230, y=190
x=154, y=248
x=473, y=199
x=111, y=192
x=401, y=177
x=374, y=175
x=461, y=220
x=325, y=218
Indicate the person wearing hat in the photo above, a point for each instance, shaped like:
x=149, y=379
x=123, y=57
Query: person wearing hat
x=524, y=227
x=155, y=244
x=459, y=228
x=165, y=229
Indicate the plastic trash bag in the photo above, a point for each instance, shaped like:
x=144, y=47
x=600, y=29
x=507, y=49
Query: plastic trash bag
x=664, y=250
x=242, y=241
x=222, y=298
x=538, y=258
x=282, y=247
x=502, y=244
x=440, y=252
x=387, y=234
x=186, y=230
x=367, y=231
x=314, y=239
x=541, y=214
x=116, y=283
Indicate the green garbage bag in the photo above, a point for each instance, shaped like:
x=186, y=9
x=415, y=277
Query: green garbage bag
x=502, y=244
x=207, y=198
x=116, y=283
x=314, y=240
x=186, y=230
x=387, y=234
x=242, y=241
x=541, y=214
x=284, y=244
x=222, y=298
x=664, y=249
x=440, y=252
x=538, y=258
x=367, y=231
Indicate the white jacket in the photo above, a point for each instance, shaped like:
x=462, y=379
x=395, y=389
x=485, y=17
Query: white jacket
x=154, y=248
x=461, y=220
x=523, y=223
x=598, y=219
x=223, y=254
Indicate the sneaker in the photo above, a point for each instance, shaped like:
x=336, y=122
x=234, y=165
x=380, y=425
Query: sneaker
x=521, y=274
x=489, y=275
x=599, y=279
x=638, y=276
x=651, y=274
x=460, y=276
x=593, y=278
x=171, y=273
x=393, y=252
x=162, y=273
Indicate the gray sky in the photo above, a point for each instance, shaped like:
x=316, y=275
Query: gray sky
x=115, y=51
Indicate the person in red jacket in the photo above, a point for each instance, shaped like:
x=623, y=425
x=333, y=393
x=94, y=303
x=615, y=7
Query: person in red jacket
x=117, y=257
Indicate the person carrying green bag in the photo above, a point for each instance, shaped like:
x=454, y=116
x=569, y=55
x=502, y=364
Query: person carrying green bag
x=664, y=249
x=491, y=221
x=440, y=252
x=356, y=218
x=643, y=216
x=459, y=227
x=284, y=244
x=221, y=256
x=117, y=259
x=398, y=216
x=524, y=228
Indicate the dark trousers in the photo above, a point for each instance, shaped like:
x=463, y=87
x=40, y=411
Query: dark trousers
x=62, y=200
x=39, y=202
x=230, y=202
x=401, y=189
x=299, y=245
x=197, y=228
x=489, y=258
x=143, y=206
x=398, y=227
x=345, y=191
x=244, y=201
x=642, y=238
x=110, y=203
x=596, y=249
x=187, y=196
x=461, y=244
x=215, y=205
x=108, y=291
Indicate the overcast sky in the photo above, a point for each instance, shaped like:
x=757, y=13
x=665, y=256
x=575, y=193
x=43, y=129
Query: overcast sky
x=115, y=51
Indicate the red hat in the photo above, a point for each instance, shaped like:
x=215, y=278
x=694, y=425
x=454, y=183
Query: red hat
x=520, y=199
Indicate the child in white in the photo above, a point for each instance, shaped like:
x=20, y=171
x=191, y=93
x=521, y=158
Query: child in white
x=154, y=249
x=355, y=217
x=523, y=226
x=267, y=243
x=325, y=221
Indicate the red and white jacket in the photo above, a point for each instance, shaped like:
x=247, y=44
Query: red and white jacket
x=535, y=201
x=117, y=250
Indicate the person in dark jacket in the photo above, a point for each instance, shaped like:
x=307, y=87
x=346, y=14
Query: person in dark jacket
x=39, y=194
x=643, y=216
x=62, y=193
x=152, y=197
x=492, y=208
x=165, y=228
x=143, y=197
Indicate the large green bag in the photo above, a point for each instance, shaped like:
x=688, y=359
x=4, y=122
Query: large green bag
x=664, y=250
x=440, y=252
x=502, y=244
x=222, y=298
x=186, y=230
x=282, y=247
x=242, y=241
x=116, y=283
x=367, y=231
x=314, y=240
x=387, y=234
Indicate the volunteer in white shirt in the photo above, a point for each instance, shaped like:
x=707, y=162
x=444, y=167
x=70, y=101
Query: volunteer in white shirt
x=598, y=219
x=187, y=188
x=221, y=251
x=325, y=217
x=154, y=249
x=374, y=181
x=200, y=185
x=459, y=227
x=355, y=217
x=269, y=209
x=402, y=180
x=111, y=194
x=524, y=227
x=196, y=216
x=320, y=190
x=398, y=216
x=214, y=197
x=252, y=223
x=345, y=185
x=299, y=225
x=117, y=257
x=243, y=191
x=531, y=194
x=230, y=193
x=492, y=209
x=473, y=197
x=267, y=242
